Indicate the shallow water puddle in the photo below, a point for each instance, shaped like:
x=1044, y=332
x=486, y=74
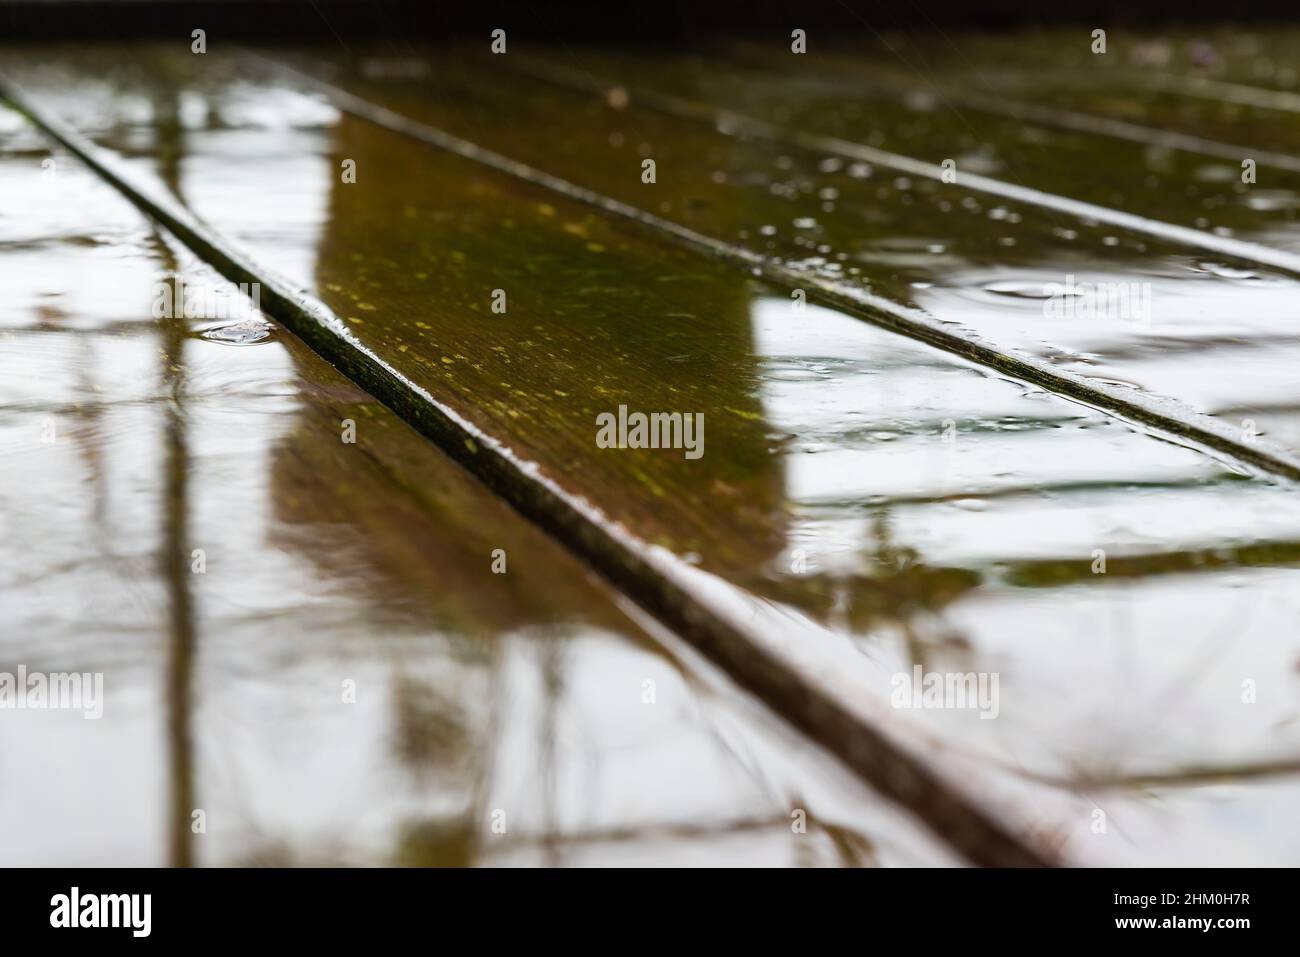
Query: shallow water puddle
x=305, y=651
x=938, y=515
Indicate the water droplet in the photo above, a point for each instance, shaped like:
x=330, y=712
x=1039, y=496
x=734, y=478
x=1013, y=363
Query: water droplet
x=1272, y=200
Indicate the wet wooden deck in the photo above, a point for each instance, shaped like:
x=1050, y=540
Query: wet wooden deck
x=844, y=262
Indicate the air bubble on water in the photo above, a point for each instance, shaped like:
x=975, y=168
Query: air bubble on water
x=245, y=332
x=1018, y=289
x=1228, y=272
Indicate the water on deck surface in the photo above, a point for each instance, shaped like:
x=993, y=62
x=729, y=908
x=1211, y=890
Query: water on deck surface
x=923, y=508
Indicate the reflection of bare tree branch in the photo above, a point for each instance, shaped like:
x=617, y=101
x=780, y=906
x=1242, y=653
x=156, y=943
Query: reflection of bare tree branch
x=434, y=741
x=748, y=764
x=88, y=438
x=1054, y=573
x=853, y=848
x=169, y=133
x=903, y=589
x=1046, y=489
x=1159, y=706
x=430, y=736
x=478, y=811
x=553, y=692
x=896, y=588
x=1189, y=775
x=176, y=573
x=652, y=831
x=175, y=558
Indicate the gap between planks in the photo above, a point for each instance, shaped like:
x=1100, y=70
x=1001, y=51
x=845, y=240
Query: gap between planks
x=1026, y=112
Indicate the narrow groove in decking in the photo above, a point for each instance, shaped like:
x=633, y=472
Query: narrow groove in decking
x=797, y=679
x=727, y=120
x=1077, y=122
x=1223, y=92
